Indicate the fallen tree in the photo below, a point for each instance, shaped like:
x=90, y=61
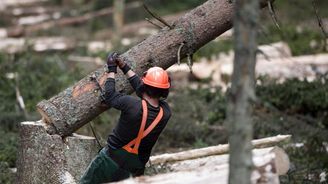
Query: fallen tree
x=80, y=103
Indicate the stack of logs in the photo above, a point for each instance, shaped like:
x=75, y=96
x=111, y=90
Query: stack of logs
x=210, y=164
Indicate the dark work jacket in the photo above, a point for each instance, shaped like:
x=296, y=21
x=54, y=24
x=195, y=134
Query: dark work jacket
x=129, y=122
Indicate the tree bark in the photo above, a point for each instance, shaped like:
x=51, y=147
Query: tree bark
x=44, y=158
x=215, y=150
x=80, y=103
x=242, y=92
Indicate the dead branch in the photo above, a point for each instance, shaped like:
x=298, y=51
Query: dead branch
x=153, y=23
x=179, y=52
x=273, y=14
x=157, y=17
x=325, y=34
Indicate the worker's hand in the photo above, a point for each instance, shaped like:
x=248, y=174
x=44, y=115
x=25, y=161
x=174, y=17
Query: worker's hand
x=120, y=62
x=111, y=62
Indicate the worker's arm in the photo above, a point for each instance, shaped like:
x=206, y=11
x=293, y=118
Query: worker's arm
x=133, y=78
x=112, y=97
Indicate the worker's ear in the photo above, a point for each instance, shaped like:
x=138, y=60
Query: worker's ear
x=144, y=74
x=140, y=90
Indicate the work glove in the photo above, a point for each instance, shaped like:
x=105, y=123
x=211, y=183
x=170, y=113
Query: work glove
x=120, y=62
x=111, y=62
x=123, y=66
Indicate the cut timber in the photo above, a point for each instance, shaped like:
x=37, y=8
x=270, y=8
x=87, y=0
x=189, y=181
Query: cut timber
x=280, y=157
x=30, y=11
x=281, y=68
x=80, y=103
x=20, y=30
x=215, y=150
x=44, y=158
x=269, y=164
x=44, y=44
x=39, y=44
x=14, y=3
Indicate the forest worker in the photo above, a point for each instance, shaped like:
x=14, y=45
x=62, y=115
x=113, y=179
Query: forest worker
x=142, y=120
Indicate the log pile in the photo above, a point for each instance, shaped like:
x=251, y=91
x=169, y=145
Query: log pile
x=275, y=61
x=210, y=165
x=19, y=31
x=45, y=44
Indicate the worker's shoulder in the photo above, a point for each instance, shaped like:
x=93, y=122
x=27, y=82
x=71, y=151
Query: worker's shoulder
x=165, y=107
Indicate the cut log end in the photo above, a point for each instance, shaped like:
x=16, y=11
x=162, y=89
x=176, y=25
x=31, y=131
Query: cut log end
x=52, y=117
x=281, y=160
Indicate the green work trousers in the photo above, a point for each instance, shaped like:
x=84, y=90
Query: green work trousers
x=104, y=169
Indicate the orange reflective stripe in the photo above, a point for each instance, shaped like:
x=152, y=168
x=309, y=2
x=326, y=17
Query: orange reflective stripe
x=150, y=128
x=142, y=133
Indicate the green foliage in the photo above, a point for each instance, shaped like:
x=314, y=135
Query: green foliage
x=214, y=47
x=294, y=96
x=6, y=176
x=188, y=126
x=37, y=77
x=299, y=39
x=8, y=147
x=100, y=4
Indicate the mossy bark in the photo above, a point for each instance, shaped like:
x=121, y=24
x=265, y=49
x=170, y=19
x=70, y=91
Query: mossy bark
x=80, y=103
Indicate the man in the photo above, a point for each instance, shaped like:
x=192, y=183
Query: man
x=142, y=120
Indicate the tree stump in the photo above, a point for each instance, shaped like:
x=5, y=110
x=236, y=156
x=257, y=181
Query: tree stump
x=44, y=158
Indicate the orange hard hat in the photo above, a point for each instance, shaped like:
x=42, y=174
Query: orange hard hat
x=156, y=77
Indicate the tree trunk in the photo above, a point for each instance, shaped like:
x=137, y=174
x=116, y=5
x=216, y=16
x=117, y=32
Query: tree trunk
x=118, y=19
x=44, y=158
x=242, y=92
x=80, y=103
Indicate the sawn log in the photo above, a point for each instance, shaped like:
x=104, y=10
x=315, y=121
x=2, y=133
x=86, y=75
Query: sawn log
x=215, y=150
x=269, y=163
x=80, y=103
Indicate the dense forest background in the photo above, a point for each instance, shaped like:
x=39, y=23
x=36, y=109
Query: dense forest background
x=295, y=106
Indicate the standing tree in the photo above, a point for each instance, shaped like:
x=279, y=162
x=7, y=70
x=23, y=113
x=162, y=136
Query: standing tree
x=118, y=20
x=242, y=91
